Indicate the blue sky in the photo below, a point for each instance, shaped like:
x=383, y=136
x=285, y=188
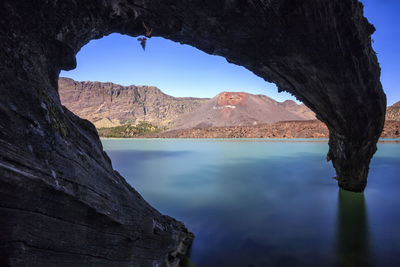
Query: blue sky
x=385, y=15
x=181, y=70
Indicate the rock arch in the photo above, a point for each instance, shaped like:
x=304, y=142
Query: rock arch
x=56, y=181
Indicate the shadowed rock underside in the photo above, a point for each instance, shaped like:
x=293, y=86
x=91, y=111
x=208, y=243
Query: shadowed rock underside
x=62, y=201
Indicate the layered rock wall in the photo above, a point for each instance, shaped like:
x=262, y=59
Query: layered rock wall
x=95, y=101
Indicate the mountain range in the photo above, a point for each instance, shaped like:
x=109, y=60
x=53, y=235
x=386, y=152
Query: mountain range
x=109, y=105
x=242, y=109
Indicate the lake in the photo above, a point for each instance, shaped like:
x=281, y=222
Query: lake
x=255, y=202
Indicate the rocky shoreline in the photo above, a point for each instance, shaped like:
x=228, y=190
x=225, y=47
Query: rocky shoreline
x=286, y=129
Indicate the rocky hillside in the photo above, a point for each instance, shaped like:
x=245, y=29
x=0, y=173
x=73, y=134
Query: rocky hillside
x=110, y=105
x=241, y=109
x=128, y=130
x=300, y=110
x=283, y=129
x=393, y=112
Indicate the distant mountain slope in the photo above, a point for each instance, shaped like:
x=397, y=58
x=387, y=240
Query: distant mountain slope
x=109, y=104
x=240, y=109
x=300, y=110
x=393, y=112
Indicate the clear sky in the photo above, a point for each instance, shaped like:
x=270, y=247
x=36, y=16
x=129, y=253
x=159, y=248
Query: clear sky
x=385, y=15
x=181, y=70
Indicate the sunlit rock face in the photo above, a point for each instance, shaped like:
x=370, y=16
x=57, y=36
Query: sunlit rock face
x=239, y=109
x=393, y=112
x=62, y=201
x=231, y=99
x=122, y=104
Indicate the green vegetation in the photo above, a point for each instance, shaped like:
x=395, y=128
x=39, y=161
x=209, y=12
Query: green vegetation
x=129, y=130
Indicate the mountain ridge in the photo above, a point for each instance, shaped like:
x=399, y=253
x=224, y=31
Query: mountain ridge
x=107, y=104
x=117, y=104
x=240, y=109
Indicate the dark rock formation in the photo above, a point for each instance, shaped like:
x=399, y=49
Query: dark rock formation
x=62, y=204
x=103, y=103
x=240, y=109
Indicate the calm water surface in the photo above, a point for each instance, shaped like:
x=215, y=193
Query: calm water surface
x=262, y=203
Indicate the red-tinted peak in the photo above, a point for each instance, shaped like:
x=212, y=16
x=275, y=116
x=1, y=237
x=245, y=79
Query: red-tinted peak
x=231, y=98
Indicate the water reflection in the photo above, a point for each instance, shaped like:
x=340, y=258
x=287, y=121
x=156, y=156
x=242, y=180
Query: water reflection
x=267, y=203
x=353, y=247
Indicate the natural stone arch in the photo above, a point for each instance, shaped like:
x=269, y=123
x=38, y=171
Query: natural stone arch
x=53, y=169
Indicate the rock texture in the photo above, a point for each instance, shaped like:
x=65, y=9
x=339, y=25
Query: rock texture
x=284, y=129
x=62, y=204
x=393, y=112
x=240, y=109
x=109, y=104
x=391, y=129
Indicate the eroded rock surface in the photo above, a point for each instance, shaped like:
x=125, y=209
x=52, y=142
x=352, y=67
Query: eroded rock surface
x=61, y=203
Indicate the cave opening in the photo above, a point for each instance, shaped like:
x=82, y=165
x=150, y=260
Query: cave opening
x=55, y=174
x=318, y=73
x=108, y=68
x=117, y=61
x=156, y=171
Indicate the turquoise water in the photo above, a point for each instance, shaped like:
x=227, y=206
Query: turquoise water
x=267, y=203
